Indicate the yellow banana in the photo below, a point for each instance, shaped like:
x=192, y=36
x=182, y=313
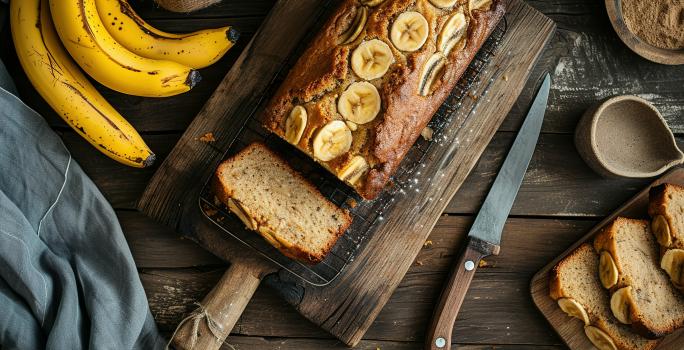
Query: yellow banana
x=103, y=58
x=197, y=50
x=57, y=78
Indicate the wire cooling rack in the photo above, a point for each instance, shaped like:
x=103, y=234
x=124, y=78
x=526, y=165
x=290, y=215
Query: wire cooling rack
x=367, y=215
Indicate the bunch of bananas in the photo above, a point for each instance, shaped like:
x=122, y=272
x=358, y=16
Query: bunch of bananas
x=113, y=45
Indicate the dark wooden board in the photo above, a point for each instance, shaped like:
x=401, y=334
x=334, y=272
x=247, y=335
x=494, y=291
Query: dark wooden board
x=348, y=305
x=571, y=329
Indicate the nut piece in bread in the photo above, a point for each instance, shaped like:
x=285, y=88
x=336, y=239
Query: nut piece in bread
x=272, y=199
x=575, y=284
x=382, y=68
x=652, y=305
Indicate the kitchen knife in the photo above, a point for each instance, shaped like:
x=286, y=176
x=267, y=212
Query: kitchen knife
x=485, y=233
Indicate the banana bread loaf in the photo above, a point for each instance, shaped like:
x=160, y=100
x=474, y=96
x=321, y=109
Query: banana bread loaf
x=368, y=84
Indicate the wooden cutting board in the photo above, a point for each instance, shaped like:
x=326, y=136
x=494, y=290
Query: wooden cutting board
x=347, y=306
x=571, y=330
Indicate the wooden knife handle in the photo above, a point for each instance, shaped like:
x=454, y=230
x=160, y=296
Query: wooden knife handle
x=210, y=324
x=439, y=334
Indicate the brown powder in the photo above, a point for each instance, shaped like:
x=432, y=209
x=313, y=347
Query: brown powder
x=657, y=22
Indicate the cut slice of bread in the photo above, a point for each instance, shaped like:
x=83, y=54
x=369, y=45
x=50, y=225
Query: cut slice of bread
x=666, y=208
x=574, y=281
x=276, y=201
x=641, y=293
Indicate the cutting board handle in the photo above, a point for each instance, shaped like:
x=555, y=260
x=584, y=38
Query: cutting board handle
x=210, y=324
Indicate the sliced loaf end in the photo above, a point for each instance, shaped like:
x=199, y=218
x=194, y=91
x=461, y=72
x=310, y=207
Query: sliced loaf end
x=277, y=202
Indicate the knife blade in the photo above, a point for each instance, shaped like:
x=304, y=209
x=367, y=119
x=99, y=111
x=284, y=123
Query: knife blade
x=484, y=236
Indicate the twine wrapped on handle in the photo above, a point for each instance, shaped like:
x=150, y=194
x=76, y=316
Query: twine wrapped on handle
x=186, y=5
x=196, y=317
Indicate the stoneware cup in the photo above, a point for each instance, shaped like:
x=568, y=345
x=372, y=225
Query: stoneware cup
x=625, y=136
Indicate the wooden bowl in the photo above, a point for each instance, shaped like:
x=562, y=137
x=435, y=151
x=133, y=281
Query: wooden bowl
x=625, y=136
x=642, y=48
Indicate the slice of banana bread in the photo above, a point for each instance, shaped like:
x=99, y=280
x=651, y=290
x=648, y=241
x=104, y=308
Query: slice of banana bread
x=278, y=203
x=575, y=285
x=641, y=292
x=666, y=208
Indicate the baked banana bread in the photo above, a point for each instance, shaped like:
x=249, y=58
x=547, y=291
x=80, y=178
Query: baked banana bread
x=641, y=292
x=371, y=80
x=278, y=203
x=666, y=208
x=575, y=285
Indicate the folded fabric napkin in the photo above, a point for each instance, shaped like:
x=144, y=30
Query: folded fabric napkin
x=67, y=277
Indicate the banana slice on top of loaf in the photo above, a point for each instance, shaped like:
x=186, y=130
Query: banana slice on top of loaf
x=641, y=292
x=575, y=285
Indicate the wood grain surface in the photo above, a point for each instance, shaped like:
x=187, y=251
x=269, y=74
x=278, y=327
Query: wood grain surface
x=560, y=200
x=571, y=331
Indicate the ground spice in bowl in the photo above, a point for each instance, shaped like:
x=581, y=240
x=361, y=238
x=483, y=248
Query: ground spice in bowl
x=659, y=23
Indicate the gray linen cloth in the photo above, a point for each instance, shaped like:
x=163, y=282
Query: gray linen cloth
x=67, y=277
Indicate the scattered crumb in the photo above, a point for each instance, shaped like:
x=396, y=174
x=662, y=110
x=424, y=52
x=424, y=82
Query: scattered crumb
x=427, y=244
x=351, y=202
x=208, y=137
x=427, y=133
x=473, y=96
x=505, y=77
x=419, y=263
x=483, y=263
x=210, y=211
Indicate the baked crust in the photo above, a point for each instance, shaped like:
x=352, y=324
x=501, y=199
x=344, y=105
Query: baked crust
x=322, y=73
x=223, y=192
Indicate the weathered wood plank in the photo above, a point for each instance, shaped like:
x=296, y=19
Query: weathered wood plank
x=262, y=343
x=556, y=177
x=589, y=62
x=154, y=245
x=501, y=286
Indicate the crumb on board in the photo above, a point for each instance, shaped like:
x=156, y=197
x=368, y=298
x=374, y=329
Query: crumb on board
x=505, y=77
x=351, y=202
x=208, y=137
x=484, y=263
x=427, y=244
x=419, y=263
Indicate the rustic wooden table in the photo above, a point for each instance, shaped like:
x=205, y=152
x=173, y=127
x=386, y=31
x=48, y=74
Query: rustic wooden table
x=559, y=201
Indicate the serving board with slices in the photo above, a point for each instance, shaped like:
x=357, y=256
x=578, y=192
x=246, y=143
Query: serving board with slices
x=571, y=330
x=346, y=306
